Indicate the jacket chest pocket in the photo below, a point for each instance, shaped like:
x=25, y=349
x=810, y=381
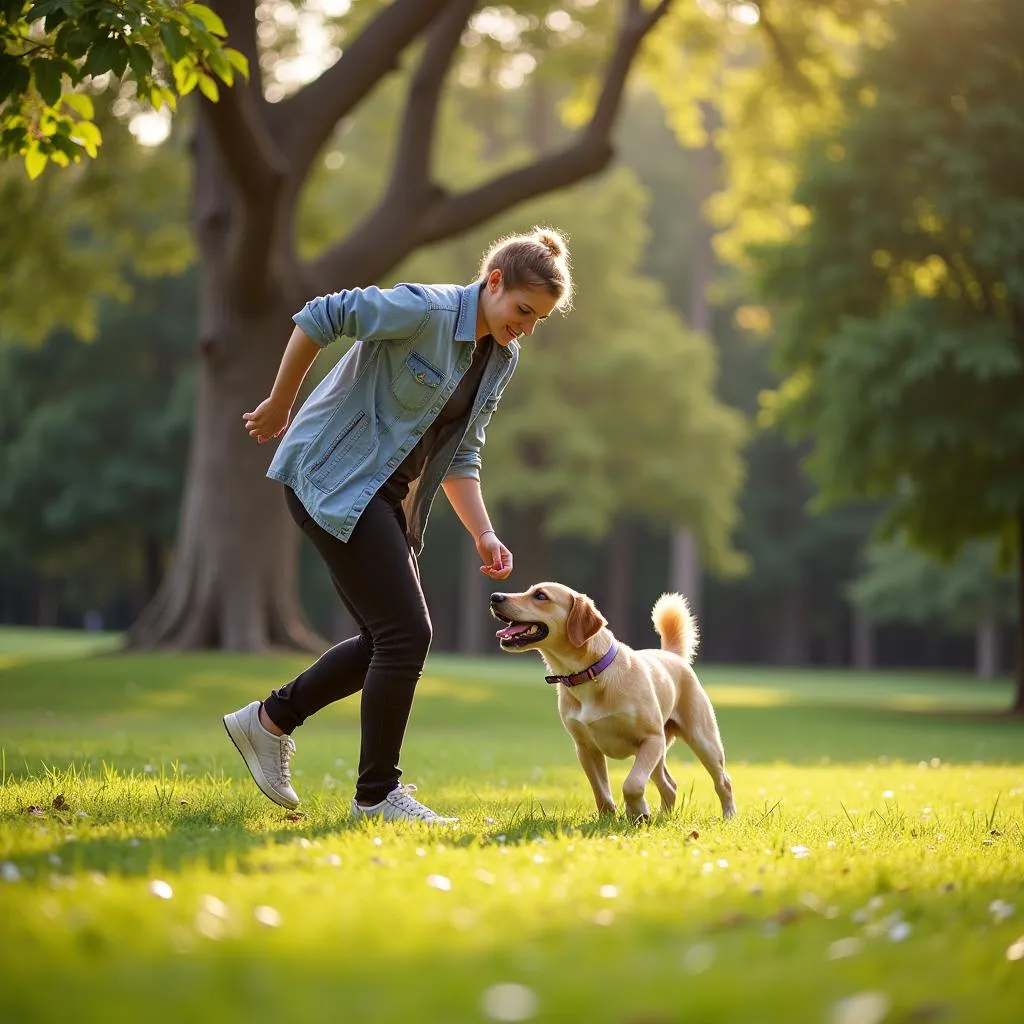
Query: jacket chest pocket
x=416, y=382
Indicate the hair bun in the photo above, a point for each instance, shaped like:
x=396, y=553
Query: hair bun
x=551, y=240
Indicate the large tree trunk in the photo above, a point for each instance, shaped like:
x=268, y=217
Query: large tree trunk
x=474, y=593
x=862, y=640
x=233, y=580
x=986, y=648
x=615, y=599
x=1018, y=704
x=789, y=642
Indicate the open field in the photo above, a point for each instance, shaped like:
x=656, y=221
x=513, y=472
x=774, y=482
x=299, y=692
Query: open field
x=875, y=872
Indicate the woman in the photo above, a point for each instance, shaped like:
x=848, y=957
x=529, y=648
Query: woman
x=402, y=413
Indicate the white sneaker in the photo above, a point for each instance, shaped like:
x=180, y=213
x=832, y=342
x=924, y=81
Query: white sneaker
x=400, y=805
x=266, y=756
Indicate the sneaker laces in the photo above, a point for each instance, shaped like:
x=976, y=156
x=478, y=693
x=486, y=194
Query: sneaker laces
x=403, y=799
x=286, y=749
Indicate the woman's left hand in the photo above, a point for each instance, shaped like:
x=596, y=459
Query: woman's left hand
x=496, y=557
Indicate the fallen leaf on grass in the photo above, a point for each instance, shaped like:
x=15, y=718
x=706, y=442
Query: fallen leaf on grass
x=294, y=816
x=59, y=803
x=36, y=812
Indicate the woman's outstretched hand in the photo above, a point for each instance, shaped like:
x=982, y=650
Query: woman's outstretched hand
x=267, y=421
x=496, y=557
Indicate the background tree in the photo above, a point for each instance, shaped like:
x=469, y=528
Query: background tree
x=95, y=230
x=904, y=328
x=900, y=583
x=92, y=450
x=791, y=606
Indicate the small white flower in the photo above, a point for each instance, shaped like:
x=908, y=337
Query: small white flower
x=843, y=948
x=799, y=851
x=1016, y=951
x=609, y=892
x=1000, y=910
x=439, y=882
x=898, y=931
x=267, y=916
x=214, y=907
x=333, y=859
x=887, y=795
x=210, y=926
x=9, y=872
x=509, y=1002
x=863, y=1008
x=698, y=958
x=160, y=889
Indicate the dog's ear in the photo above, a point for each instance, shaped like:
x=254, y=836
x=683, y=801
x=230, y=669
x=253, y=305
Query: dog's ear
x=584, y=621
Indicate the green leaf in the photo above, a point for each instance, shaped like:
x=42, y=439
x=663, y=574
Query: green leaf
x=14, y=77
x=35, y=161
x=207, y=18
x=47, y=77
x=208, y=87
x=80, y=37
x=174, y=42
x=220, y=67
x=102, y=57
x=89, y=136
x=141, y=62
x=238, y=61
x=185, y=78
x=81, y=104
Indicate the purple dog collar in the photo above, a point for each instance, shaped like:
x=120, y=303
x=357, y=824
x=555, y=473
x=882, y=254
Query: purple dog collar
x=588, y=673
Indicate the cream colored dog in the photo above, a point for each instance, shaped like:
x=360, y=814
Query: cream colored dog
x=617, y=702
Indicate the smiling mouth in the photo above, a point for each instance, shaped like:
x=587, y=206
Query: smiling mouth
x=519, y=634
x=511, y=334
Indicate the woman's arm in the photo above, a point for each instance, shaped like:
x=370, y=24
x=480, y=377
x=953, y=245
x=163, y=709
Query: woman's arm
x=466, y=498
x=270, y=418
x=365, y=314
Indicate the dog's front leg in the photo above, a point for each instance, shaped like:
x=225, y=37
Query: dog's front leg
x=648, y=755
x=596, y=767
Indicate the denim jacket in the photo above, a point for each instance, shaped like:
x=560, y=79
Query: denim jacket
x=414, y=343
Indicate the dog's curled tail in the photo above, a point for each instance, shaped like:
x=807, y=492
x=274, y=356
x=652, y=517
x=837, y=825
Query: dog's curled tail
x=676, y=625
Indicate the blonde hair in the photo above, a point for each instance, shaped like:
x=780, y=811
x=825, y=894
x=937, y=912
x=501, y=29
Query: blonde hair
x=537, y=260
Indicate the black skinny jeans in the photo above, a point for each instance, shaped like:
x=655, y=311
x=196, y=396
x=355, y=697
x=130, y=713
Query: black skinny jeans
x=376, y=574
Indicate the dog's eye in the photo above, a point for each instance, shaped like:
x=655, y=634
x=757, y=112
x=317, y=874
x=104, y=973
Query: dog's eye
x=540, y=596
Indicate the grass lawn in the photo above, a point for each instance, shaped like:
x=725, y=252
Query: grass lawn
x=875, y=871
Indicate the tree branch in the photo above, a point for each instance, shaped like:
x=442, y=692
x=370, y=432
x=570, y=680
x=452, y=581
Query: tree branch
x=253, y=161
x=394, y=229
x=590, y=154
x=305, y=121
x=411, y=170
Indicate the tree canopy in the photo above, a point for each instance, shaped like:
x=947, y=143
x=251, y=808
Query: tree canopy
x=56, y=54
x=903, y=300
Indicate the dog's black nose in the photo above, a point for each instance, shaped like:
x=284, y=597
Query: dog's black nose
x=498, y=598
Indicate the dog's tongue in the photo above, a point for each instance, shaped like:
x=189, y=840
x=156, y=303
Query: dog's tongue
x=510, y=631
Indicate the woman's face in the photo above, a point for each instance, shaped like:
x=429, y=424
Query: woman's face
x=509, y=313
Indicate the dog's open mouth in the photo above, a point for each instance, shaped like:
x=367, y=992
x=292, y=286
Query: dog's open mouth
x=520, y=634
